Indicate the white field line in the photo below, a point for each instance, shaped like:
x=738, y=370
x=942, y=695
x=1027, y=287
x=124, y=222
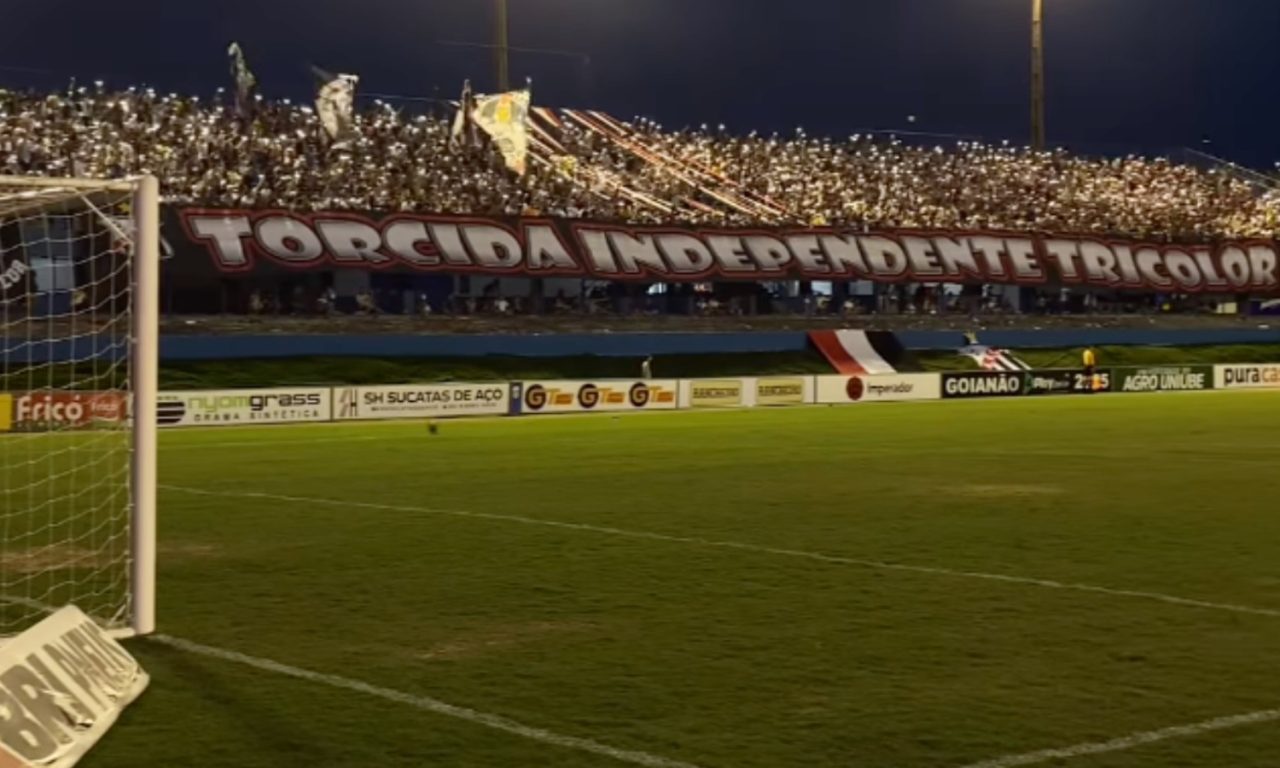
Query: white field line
x=742, y=547
x=255, y=443
x=426, y=704
x=869, y=452
x=1131, y=741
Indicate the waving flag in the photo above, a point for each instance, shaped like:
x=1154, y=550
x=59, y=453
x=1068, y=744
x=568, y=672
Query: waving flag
x=335, y=103
x=505, y=118
x=246, y=83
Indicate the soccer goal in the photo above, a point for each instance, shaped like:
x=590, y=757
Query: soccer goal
x=79, y=332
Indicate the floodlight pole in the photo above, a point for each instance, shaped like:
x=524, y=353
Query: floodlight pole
x=501, y=46
x=1037, y=75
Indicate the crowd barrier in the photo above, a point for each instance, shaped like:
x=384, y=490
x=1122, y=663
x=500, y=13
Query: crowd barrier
x=55, y=410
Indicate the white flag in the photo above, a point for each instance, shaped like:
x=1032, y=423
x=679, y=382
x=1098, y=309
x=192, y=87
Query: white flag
x=335, y=103
x=505, y=117
x=463, y=133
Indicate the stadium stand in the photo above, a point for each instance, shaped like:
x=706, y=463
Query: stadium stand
x=587, y=164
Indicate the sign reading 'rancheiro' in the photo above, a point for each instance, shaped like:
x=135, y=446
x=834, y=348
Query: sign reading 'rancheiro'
x=240, y=241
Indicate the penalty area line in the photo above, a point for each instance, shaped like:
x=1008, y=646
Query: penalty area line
x=1131, y=741
x=744, y=547
x=423, y=703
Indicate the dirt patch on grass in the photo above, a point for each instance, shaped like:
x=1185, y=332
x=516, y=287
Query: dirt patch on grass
x=56, y=557
x=187, y=550
x=52, y=558
x=501, y=637
x=1006, y=490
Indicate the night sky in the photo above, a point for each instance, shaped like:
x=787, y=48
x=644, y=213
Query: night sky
x=1123, y=75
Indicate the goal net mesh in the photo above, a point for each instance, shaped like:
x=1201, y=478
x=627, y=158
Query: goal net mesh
x=65, y=433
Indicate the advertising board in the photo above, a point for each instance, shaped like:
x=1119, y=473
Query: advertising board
x=1183, y=378
x=6, y=412
x=604, y=395
x=788, y=390
x=1066, y=382
x=879, y=388
x=415, y=401
x=1264, y=376
x=55, y=411
x=234, y=407
x=715, y=393
x=982, y=384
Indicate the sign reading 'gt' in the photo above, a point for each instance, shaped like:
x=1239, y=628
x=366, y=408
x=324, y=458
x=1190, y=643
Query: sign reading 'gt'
x=584, y=396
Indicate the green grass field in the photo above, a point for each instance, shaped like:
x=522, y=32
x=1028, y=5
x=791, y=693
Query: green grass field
x=805, y=587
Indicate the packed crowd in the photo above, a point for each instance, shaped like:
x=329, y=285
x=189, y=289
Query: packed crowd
x=205, y=152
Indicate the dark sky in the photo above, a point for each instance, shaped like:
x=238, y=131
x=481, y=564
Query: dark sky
x=1124, y=75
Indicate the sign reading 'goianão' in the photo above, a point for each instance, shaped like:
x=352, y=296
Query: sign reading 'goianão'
x=243, y=240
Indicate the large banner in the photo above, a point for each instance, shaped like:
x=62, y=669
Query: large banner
x=229, y=407
x=417, y=401
x=609, y=395
x=212, y=242
x=1177, y=378
x=881, y=388
x=63, y=683
x=1247, y=376
x=984, y=384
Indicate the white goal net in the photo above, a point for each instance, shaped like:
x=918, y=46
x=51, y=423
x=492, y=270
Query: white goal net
x=78, y=339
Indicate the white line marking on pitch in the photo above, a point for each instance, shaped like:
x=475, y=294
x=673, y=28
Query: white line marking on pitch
x=1047, y=583
x=1131, y=741
x=425, y=703
x=256, y=443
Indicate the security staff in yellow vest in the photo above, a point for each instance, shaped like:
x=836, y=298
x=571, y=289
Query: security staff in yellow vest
x=1090, y=360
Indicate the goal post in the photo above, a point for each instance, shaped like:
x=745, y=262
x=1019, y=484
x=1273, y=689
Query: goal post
x=79, y=341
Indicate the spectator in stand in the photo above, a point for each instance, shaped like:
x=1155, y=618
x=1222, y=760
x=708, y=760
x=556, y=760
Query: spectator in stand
x=204, y=153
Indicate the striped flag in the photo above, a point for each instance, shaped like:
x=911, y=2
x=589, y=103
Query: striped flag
x=992, y=359
x=859, y=352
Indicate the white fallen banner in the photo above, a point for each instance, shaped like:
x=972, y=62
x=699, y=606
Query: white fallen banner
x=63, y=683
x=413, y=401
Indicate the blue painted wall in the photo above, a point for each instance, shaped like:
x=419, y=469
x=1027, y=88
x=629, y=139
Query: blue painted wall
x=176, y=348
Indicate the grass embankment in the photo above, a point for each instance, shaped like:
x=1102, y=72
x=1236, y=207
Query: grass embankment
x=324, y=371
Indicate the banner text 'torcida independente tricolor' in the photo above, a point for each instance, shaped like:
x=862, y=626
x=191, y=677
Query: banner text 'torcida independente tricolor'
x=241, y=241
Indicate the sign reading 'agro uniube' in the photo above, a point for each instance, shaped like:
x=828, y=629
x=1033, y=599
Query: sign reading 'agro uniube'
x=238, y=241
x=1169, y=379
